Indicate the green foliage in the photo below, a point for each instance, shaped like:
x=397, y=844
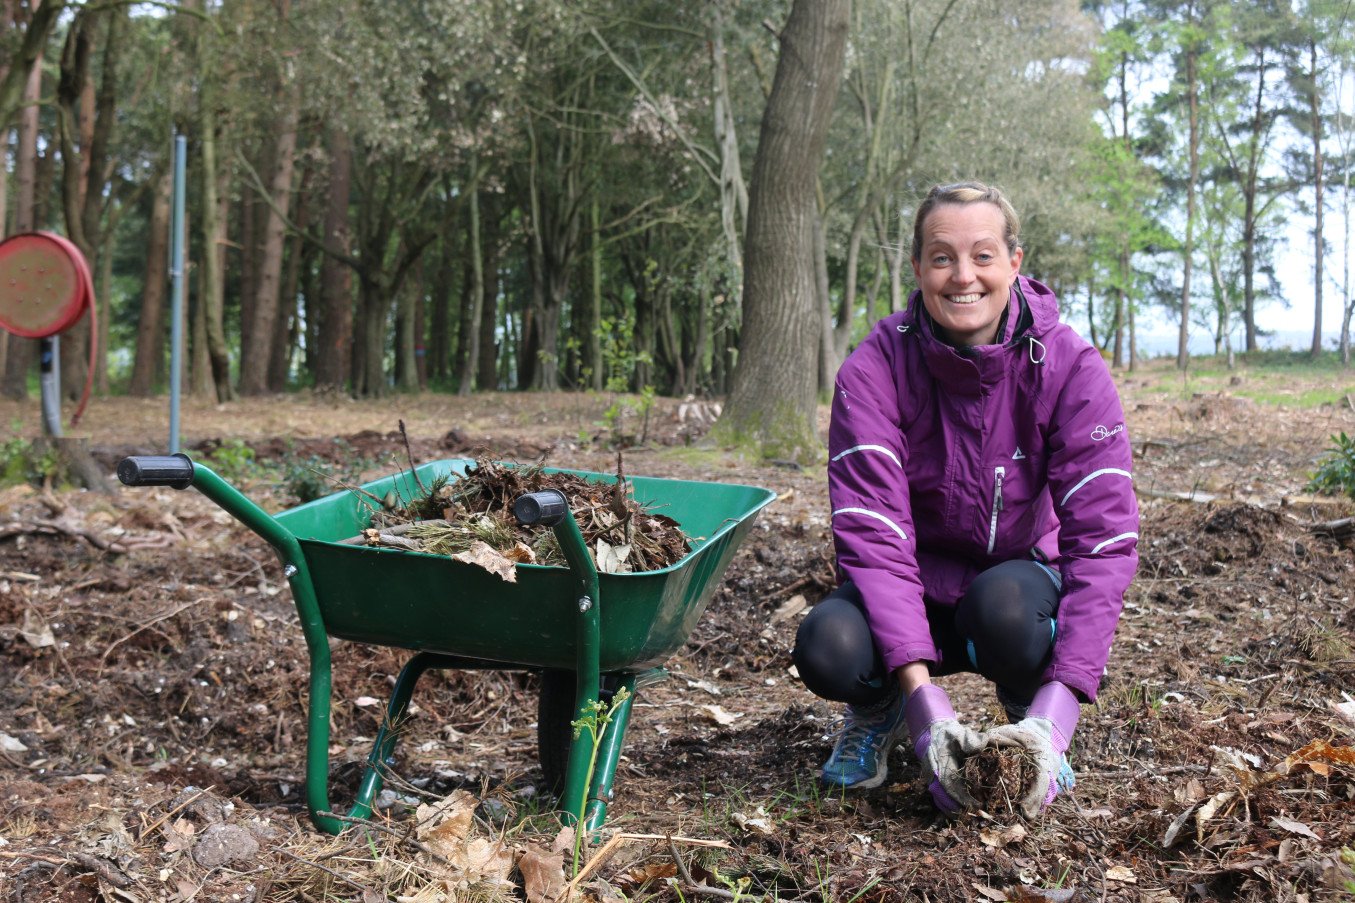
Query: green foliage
x=233, y=461
x=620, y=414
x=1336, y=474
x=619, y=357
x=309, y=477
x=22, y=462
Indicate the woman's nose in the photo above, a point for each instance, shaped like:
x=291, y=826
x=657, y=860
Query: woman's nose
x=962, y=272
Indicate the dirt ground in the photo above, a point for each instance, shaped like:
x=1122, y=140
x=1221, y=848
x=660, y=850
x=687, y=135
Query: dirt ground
x=153, y=672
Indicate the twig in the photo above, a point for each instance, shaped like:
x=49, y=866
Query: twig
x=402, y=836
x=172, y=812
x=329, y=871
x=47, y=859
x=409, y=453
x=153, y=621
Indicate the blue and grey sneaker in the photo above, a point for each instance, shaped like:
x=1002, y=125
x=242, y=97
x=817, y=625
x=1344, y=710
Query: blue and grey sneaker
x=860, y=755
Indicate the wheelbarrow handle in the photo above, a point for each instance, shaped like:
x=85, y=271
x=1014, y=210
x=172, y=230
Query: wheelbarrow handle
x=175, y=471
x=547, y=508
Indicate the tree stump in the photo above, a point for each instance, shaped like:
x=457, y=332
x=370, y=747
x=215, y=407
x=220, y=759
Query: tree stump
x=72, y=462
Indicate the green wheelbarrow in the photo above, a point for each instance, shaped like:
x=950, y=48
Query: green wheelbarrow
x=589, y=634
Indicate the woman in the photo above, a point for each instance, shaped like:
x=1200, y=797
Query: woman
x=983, y=513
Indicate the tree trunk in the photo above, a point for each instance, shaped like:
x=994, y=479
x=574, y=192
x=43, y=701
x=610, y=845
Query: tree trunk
x=149, y=361
x=20, y=356
x=289, y=312
x=334, y=356
x=215, y=216
x=773, y=400
x=256, y=354
x=468, y=333
x=487, y=376
x=1315, y=120
x=1188, y=253
x=828, y=358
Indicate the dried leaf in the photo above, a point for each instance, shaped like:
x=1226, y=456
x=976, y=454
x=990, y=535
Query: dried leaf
x=1121, y=873
x=447, y=821
x=520, y=553
x=757, y=823
x=1316, y=756
x=1293, y=827
x=483, y=555
x=543, y=873
x=998, y=837
x=612, y=559
x=723, y=718
x=991, y=893
x=180, y=836
x=1206, y=812
x=789, y=609
x=636, y=878
x=363, y=702
x=35, y=630
x=11, y=744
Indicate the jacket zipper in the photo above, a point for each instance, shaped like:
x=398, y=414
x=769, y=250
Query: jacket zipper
x=998, y=474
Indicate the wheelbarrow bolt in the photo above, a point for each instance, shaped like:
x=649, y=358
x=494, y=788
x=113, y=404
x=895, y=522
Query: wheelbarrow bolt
x=585, y=603
x=289, y=571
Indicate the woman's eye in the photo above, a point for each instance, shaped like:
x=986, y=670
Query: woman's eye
x=985, y=257
x=940, y=260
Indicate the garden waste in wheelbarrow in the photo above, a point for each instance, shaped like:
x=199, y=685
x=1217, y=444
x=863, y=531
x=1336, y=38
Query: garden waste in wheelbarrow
x=590, y=634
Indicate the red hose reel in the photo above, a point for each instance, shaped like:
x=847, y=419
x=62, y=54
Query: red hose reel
x=45, y=286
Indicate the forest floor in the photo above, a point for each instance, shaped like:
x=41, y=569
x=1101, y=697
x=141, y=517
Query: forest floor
x=152, y=734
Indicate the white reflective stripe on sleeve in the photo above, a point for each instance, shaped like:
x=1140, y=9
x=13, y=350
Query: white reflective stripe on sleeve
x=879, y=448
x=1113, y=540
x=875, y=514
x=1091, y=476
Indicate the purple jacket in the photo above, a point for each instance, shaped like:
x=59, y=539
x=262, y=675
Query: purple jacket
x=943, y=464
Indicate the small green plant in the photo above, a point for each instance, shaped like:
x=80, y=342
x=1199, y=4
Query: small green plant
x=233, y=460
x=595, y=718
x=1335, y=475
x=309, y=477
x=22, y=462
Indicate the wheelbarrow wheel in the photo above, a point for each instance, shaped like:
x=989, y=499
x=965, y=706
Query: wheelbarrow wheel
x=555, y=723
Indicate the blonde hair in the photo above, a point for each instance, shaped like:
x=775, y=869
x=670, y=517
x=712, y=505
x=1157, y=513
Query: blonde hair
x=972, y=192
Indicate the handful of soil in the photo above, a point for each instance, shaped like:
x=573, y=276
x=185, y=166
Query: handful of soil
x=998, y=776
x=470, y=518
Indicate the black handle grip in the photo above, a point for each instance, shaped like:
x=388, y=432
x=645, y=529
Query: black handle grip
x=175, y=471
x=547, y=507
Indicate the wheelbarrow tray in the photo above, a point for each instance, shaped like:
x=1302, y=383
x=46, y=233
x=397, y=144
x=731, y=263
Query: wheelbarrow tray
x=432, y=603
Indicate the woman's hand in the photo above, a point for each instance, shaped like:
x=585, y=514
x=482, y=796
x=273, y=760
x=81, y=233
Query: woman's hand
x=941, y=743
x=1046, y=732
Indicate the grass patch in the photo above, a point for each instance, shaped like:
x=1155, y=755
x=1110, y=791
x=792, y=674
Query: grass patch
x=1277, y=378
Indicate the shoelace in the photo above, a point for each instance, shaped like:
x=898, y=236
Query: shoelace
x=858, y=732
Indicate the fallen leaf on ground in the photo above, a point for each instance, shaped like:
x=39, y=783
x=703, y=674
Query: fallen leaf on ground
x=35, y=631
x=723, y=718
x=1122, y=874
x=998, y=837
x=1293, y=827
x=543, y=873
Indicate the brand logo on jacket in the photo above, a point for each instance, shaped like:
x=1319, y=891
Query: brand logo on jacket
x=1102, y=433
x=1018, y=455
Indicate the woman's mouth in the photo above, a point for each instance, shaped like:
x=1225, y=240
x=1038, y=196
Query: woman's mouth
x=971, y=298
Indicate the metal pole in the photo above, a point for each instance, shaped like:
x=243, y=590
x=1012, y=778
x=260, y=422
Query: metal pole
x=176, y=276
x=49, y=380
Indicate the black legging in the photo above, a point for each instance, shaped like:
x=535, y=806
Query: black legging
x=1003, y=628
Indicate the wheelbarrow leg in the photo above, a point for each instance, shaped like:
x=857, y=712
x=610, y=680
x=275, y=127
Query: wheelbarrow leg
x=387, y=736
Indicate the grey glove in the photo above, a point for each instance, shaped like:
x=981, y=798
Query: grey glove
x=1046, y=732
x=941, y=744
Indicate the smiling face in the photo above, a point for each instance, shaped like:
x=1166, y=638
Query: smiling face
x=965, y=271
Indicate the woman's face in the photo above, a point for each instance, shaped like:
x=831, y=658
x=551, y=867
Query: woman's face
x=965, y=271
